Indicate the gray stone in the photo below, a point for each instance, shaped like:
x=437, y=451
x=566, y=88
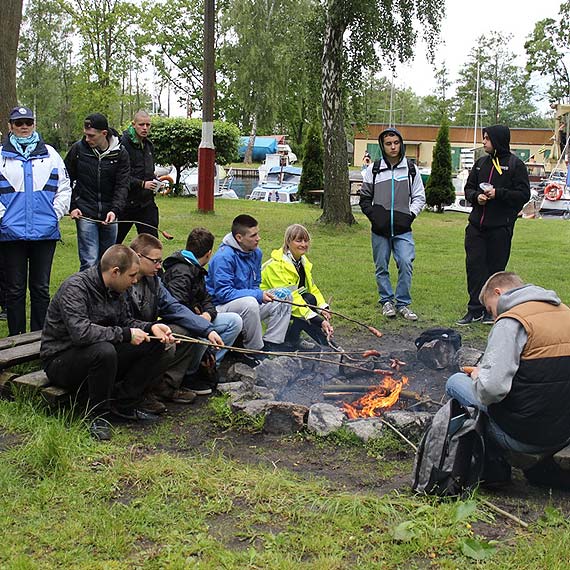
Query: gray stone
x=411, y=424
x=365, y=428
x=436, y=354
x=276, y=373
x=253, y=407
x=245, y=391
x=467, y=356
x=285, y=418
x=325, y=418
x=240, y=372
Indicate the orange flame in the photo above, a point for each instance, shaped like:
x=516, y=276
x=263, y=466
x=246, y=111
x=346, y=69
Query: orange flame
x=381, y=397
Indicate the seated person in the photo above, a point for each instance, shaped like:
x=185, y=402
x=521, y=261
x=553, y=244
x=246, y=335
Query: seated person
x=150, y=300
x=185, y=278
x=523, y=381
x=90, y=340
x=290, y=268
x=233, y=282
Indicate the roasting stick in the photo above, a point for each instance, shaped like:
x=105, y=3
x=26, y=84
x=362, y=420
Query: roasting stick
x=166, y=235
x=304, y=355
x=370, y=328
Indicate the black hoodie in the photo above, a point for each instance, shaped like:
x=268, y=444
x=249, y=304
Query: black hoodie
x=512, y=187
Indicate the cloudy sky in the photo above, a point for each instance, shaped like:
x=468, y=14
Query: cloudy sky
x=464, y=23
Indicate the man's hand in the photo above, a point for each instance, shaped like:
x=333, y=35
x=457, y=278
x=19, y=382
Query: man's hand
x=138, y=336
x=151, y=185
x=327, y=329
x=267, y=297
x=216, y=339
x=110, y=218
x=482, y=199
x=163, y=333
x=75, y=214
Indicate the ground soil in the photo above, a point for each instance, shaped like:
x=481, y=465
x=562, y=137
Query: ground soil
x=349, y=468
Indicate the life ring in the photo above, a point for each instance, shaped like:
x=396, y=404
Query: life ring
x=553, y=191
x=169, y=184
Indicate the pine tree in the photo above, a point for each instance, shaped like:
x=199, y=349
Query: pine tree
x=439, y=188
x=312, y=175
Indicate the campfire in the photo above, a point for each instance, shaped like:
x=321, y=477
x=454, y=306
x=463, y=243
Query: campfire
x=379, y=399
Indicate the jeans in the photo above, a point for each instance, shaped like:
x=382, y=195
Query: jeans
x=460, y=387
x=27, y=263
x=93, y=239
x=403, y=248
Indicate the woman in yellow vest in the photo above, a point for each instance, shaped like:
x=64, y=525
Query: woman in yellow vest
x=290, y=268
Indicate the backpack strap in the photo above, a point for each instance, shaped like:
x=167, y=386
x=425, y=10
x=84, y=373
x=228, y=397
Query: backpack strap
x=412, y=171
x=375, y=171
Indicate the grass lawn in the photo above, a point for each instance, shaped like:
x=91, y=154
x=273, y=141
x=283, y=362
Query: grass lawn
x=159, y=499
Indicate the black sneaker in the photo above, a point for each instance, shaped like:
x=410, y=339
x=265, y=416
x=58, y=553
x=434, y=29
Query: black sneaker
x=135, y=414
x=100, y=429
x=487, y=319
x=251, y=360
x=469, y=318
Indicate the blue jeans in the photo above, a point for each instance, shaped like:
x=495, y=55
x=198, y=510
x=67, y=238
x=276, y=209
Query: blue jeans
x=228, y=326
x=93, y=239
x=403, y=248
x=460, y=387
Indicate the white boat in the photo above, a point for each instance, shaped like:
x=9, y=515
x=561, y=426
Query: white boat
x=222, y=183
x=273, y=160
x=460, y=204
x=281, y=185
x=556, y=198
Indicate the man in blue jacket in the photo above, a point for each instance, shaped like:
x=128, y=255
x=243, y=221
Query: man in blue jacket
x=233, y=280
x=150, y=300
x=392, y=196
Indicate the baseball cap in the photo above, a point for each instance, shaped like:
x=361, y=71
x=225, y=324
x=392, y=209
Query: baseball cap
x=96, y=121
x=21, y=113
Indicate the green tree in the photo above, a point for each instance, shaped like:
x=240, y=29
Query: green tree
x=312, y=175
x=11, y=19
x=548, y=49
x=356, y=33
x=176, y=142
x=439, y=187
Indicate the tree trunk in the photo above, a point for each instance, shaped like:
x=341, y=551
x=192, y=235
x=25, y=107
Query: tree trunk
x=336, y=198
x=247, y=159
x=11, y=20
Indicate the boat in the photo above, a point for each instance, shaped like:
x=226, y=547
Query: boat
x=556, y=197
x=460, y=203
x=222, y=183
x=271, y=161
x=281, y=185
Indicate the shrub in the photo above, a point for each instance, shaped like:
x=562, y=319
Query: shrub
x=439, y=188
x=312, y=175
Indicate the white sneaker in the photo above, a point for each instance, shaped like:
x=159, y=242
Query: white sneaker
x=388, y=310
x=408, y=314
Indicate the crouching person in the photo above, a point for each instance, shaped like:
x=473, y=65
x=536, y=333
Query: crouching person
x=150, y=300
x=90, y=341
x=523, y=381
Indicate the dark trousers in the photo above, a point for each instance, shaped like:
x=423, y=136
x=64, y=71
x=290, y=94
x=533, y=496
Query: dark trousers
x=112, y=375
x=27, y=264
x=486, y=252
x=297, y=326
x=147, y=214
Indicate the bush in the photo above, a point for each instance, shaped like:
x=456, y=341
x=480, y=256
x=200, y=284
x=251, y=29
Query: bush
x=439, y=188
x=312, y=175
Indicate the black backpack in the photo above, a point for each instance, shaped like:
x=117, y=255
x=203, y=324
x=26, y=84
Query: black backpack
x=451, y=455
x=411, y=172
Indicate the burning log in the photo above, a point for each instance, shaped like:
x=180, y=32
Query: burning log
x=345, y=392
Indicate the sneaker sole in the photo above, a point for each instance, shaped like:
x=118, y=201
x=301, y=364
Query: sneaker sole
x=203, y=392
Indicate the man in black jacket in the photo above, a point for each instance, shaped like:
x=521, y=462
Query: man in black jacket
x=142, y=183
x=498, y=188
x=98, y=168
x=91, y=340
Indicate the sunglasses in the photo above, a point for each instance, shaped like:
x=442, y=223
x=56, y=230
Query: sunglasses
x=22, y=122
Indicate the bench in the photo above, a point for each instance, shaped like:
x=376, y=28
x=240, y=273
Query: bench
x=20, y=349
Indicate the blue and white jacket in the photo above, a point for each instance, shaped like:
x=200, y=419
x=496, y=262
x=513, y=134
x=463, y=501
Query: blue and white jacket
x=34, y=193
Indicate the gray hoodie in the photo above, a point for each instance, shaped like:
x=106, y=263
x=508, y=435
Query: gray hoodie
x=506, y=342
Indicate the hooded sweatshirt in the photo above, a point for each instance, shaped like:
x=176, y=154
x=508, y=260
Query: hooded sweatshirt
x=391, y=200
x=141, y=158
x=524, y=376
x=234, y=273
x=507, y=173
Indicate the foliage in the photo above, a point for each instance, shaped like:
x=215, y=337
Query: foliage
x=548, y=49
x=439, y=188
x=223, y=416
x=312, y=174
x=176, y=142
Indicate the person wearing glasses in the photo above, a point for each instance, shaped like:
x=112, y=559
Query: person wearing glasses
x=141, y=206
x=99, y=170
x=150, y=300
x=34, y=195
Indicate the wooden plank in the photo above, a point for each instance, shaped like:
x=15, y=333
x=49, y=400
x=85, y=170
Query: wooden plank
x=19, y=354
x=18, y=340
x=37, y=380
x=54, y=395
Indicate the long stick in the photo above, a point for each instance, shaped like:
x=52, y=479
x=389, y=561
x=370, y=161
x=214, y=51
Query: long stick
x=166, y=235
x=370, y=329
